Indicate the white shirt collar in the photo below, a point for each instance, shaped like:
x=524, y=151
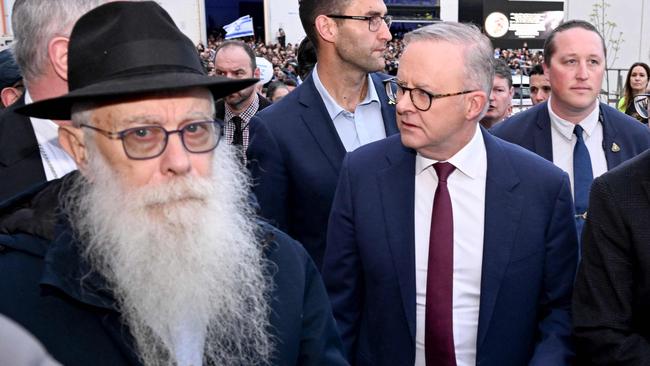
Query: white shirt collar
x=565, y=128
x=48, y=130
x=464, y=160
x=333, y=108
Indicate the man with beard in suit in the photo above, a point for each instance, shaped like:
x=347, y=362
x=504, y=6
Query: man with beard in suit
x=151, y=252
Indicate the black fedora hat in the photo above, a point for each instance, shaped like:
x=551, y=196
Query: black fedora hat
x=122, y=49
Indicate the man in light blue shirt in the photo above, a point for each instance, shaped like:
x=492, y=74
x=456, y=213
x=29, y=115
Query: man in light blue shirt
x=297, y=145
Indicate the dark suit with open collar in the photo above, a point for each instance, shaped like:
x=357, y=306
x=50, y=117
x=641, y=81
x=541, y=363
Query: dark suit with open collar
x=612, y=290
x=20, y=159
x=295, y=156
x=529, y=257
x=532, y=129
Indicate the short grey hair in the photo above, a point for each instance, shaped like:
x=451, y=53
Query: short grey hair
x=36, y=22
x=477, y=50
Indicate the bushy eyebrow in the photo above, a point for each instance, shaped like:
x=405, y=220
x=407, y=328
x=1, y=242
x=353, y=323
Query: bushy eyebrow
x=155, y=120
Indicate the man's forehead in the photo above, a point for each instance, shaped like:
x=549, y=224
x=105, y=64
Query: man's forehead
x=500, y=79
x=537, y=78
x=231, y=53
x=366, y=7
x=579, y=41
x=156, y=108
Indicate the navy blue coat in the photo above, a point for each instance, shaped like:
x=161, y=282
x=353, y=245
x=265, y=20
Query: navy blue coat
x=20, y=160
x=40, y=288
x=295, y=155
x=529, y=258
x=531, y=129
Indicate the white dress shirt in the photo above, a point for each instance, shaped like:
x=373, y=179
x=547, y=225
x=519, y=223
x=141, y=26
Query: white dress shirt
x=564, y=140
x=467, y=191
x=188, y=339
x=56, y=162
x=357, y=128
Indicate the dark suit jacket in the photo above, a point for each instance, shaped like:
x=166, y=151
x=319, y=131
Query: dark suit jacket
x=20, y=160
x=49, y=289
x=295, y=156
x=611, y=302
x=529, y=257
x=220, y=106
x=532, y=130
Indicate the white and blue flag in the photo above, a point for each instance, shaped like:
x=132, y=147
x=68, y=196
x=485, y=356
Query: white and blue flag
x=241, y=27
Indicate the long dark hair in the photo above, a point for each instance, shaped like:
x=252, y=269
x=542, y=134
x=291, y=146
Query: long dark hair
x=629, y=93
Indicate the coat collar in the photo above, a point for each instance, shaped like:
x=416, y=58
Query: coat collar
x=314, y=114
x=17, y=137
x=544, y=144
x=397, y=184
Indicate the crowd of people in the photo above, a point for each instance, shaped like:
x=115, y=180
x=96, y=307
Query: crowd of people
x=285, y=58
x=385, y=209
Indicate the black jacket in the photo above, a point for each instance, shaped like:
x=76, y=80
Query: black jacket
x=20, y=160
x=48, y=288
x=612, y=290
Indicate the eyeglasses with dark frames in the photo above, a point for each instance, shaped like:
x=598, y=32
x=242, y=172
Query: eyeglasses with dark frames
x=148, y=142
x=374, y=21
x=421, y=99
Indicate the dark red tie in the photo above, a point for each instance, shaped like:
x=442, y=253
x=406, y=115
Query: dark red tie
x=439, y=335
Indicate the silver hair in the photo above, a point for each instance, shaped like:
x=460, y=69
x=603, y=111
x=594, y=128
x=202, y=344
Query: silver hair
x=477, y=50
x=36, y=22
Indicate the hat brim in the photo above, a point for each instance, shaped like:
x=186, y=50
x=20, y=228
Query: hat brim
x=60, y=108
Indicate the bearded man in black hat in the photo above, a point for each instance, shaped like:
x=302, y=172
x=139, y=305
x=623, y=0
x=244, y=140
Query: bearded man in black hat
x=151, y=253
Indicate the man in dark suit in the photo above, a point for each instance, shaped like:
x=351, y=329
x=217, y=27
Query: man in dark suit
x=298, y=143
x=572, y=129
x=611, y=298
x=235, y=59
x=150, y=253
x=29, y=149
x=446, y=245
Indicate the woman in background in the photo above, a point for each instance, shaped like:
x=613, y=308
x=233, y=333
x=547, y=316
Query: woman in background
x=635, y=83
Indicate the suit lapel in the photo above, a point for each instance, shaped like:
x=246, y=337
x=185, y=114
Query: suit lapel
x=503, y=208
x=320, y=125
x=387, y=109
x=542, y=136
x=614, y=158
x=397, y=187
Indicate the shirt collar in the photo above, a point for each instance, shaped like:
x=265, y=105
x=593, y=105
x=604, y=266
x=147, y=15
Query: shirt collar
x=47, y=129
x=247, y=114
x=333, y=108
x=565, y=128
x=464, y=160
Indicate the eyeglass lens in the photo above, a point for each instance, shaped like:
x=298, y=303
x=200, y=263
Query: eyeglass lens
x=419, y=97
x=376, y=22
x=150, y=141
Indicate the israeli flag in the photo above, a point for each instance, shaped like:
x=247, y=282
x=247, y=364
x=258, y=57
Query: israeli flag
x=241, y=27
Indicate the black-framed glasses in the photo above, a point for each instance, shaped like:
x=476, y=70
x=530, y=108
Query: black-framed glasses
x=148, y=142
x=421, y=99
x=641, y=104
x=374, y=21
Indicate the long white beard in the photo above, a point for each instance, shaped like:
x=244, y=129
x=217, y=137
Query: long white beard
x=183, y=261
